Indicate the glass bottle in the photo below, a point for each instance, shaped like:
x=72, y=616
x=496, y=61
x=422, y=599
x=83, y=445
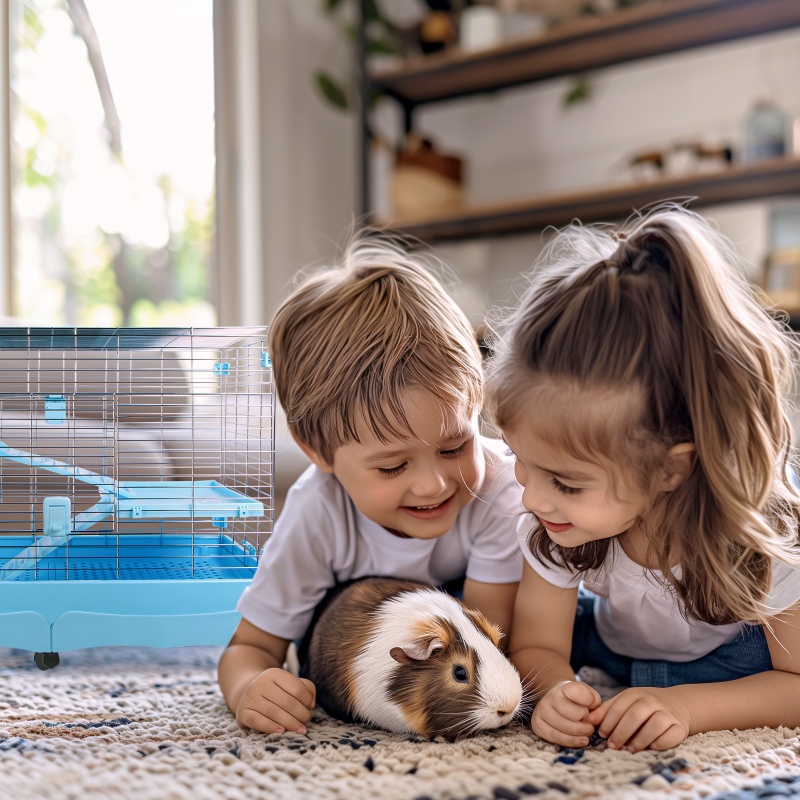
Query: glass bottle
x=765, y=133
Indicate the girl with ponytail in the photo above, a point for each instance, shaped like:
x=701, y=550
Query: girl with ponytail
x=643, y=392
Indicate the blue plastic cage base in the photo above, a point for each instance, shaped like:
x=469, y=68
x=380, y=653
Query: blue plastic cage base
x=150, y=590
x=177, y=557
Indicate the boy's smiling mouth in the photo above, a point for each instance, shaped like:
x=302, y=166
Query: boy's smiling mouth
x=429, y=511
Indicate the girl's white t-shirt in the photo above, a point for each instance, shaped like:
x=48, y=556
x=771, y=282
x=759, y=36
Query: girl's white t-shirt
x=321, y=539
x=637, y=614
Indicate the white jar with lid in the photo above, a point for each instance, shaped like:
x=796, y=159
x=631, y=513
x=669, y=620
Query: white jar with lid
x=480, y=28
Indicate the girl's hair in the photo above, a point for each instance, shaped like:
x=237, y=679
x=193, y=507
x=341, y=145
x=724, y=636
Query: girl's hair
x=657, y=328
x=353, y=339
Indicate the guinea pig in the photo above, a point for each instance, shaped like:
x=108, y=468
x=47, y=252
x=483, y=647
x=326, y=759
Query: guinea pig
x=408, y=658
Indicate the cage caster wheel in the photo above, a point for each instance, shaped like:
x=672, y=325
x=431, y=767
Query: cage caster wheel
x=46, y=660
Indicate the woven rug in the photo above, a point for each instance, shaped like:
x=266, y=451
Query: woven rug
x=141, y=723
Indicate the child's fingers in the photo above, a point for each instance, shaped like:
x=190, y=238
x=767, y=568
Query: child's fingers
x=625, y=718
x=570, y=710
x=312, y=690
x=552, y=717
x=671, y=737
x=300, y=688
x=655, y=726
x=284, y=708
x=615, y=709
x=290, y=717
x=256, y=721
x=551, y=733
x=598, y=714
x=299, y=712
x=581, y=693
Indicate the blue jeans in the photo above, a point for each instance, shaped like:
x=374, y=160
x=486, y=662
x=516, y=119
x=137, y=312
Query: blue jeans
x=748, y=654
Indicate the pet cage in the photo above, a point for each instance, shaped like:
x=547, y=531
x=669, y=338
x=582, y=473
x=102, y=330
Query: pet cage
x=136, y=484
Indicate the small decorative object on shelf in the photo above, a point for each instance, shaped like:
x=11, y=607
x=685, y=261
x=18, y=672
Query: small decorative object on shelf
x=647, y=165
x=480, y=28
x=682, y=158
x=521, y=20
x=425, y=181
x=556, y=11
x=438, y=29
x=690, y=157
x=766, y=133
x=781, y=281
x=564, y=11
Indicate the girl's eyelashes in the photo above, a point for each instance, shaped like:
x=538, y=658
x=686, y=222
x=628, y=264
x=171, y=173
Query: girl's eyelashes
x=392, y=470
x=454, y=451
x=563, y=487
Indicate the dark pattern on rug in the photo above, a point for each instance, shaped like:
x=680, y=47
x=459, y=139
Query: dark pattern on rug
x=151, y=724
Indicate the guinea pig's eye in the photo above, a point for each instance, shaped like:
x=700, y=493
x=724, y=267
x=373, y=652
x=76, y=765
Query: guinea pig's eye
x=460, y=674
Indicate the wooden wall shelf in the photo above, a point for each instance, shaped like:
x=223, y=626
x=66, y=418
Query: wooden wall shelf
x=586, y=44
x=775, y=177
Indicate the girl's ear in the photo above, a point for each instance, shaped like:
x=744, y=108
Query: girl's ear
x=316, y=459
x=680, y=460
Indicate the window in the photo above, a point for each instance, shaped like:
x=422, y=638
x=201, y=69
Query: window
x=112, y=161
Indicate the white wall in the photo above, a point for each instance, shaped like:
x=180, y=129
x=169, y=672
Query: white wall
x=310, y=155
x=287, y=160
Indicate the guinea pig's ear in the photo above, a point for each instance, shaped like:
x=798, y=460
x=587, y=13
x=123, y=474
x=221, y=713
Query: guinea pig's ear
x=416, y=651
x=489, y=629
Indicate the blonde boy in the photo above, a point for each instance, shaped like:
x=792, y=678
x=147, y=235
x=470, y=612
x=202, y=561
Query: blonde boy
x=381, y=380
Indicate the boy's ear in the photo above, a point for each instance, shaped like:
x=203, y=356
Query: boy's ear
x=680, y=460
x=316, y=459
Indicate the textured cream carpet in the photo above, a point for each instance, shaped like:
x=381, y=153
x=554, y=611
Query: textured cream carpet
x=133, y=723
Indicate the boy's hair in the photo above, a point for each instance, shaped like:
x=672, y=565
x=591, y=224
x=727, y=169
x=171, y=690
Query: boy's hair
x=660, y=329
x=352, y=340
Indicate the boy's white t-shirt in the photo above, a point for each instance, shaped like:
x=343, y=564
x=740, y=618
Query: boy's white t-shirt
x=637, y=615
x=321, y=539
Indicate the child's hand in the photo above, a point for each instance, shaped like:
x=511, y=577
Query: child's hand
x=277, y=701
x=643, y=717
x=561, y=715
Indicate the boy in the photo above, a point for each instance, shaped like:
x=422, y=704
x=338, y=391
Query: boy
x=380, y=376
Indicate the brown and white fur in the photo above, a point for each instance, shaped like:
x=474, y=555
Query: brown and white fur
x=407, y=658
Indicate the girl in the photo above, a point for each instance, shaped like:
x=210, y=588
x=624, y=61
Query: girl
x=641, y=388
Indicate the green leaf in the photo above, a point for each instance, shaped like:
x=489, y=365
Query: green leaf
x=332, y=5
x=384, y=48
x=332, y=91
x=374, y=96
x=371, y=12
x=581, y=90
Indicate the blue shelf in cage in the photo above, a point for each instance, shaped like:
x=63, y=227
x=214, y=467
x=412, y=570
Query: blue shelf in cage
x=159, y=499
x=151, y=590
